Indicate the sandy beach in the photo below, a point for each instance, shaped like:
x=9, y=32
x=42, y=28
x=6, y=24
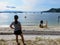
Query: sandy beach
x=36, y=41
x=31, y=39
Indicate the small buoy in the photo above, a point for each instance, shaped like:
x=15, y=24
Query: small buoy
x=25, y=17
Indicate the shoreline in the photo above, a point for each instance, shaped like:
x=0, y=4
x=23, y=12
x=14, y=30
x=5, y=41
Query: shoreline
x=34, y=33
x=34, y=30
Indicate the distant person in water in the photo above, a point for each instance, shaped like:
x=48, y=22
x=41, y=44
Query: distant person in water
x=43, y=25
x=16, y=25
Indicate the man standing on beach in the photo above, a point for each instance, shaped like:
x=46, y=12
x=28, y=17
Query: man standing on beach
x=17, y=29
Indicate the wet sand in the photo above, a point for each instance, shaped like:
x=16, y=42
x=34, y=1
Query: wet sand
x=32, y=30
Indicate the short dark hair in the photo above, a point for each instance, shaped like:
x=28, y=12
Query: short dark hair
x=16, y=17
x=41, y=21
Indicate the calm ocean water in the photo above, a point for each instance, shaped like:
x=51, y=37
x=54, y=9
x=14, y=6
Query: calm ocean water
x=30, y=18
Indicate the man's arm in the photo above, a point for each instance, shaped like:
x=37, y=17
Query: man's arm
x=11, y=26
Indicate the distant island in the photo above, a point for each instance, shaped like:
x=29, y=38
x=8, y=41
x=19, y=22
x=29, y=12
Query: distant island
x=11, y=12
x=53, y=10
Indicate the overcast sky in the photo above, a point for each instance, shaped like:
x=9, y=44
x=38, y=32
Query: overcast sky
x=29, y=5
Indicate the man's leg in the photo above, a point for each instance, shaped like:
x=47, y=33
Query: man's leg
x=22, y=38
x=17, y=39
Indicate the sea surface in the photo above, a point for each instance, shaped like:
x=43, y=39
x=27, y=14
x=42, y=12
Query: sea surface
x=30, y=19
